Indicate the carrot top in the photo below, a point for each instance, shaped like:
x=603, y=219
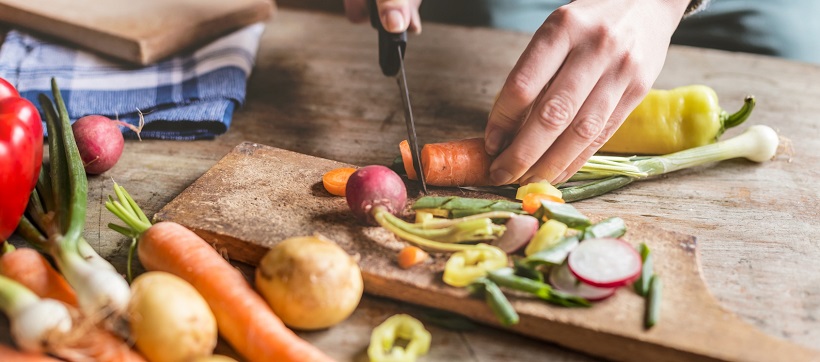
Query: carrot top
x=335, y=180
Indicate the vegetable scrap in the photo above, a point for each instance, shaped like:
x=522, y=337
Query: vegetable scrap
x=400, y=338
x=410, y=256
x=335, y=180
x=585, y=261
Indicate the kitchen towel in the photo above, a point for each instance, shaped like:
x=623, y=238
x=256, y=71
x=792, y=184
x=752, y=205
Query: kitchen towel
x=190, y=96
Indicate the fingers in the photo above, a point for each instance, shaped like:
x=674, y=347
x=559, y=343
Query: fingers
x=628, y=102
x=396, y=15
x=550, y=118
x=536, y=66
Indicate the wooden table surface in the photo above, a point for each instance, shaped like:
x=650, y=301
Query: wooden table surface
x=316, y=89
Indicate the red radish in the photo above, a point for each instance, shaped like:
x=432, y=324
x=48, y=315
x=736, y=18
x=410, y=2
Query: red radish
x=563, y=280
x=99, y=141
x=605, y=262
x=520, y=229
x=373, y=188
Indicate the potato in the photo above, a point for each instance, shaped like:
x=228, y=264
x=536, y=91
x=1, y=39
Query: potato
x=309, y=282
x=170, y=321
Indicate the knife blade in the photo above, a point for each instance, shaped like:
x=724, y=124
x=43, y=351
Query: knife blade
x=392, y=47
x=401, y=79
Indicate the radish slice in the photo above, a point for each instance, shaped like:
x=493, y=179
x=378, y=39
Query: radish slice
x=563, y=280
x=520, y=229
x=605, y=262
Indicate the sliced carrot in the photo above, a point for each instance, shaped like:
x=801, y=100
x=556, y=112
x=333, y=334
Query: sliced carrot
x=456, y=163
x=532, y=202
x=243, y=318
x=410, y=256
x=407, y=160
x=28, y=267
x=335, y=180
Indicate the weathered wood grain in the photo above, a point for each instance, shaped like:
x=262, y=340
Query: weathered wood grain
x=316, y=89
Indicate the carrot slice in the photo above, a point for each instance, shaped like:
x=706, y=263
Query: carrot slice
x=335, y=180
x=455, y=163
x=407, y=160
x=411, y=255
x=532, y=202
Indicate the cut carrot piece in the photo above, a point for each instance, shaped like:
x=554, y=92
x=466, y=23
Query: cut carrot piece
x=455, y=163
x=407, y=160
x=532, y=202
x=410, y=256
x=335, y=180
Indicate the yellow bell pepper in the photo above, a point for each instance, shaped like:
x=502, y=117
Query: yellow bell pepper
x=668, y=121
x=383, y=346
x=465, y=266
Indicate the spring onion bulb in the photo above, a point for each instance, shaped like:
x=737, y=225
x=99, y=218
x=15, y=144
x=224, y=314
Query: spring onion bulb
x=35, y=322
x=602, y=174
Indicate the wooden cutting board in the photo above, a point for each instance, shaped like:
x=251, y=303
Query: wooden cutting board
x=140, y=32
x=258, y=195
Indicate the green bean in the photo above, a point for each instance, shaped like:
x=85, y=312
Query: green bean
x=653, y=302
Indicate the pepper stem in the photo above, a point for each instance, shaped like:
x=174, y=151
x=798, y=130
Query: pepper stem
x=734, y=119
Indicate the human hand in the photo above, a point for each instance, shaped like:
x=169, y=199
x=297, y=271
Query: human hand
x=396, y=15
x=585, y=69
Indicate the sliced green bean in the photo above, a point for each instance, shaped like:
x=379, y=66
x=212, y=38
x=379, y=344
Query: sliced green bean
x=641, y=285
x=653, y=301
x=613, y=227
x=498, y=302
x=595, y=188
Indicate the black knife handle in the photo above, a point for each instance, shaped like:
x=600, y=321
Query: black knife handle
x=388, y=43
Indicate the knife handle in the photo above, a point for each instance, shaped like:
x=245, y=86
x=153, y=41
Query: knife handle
x=388, y=43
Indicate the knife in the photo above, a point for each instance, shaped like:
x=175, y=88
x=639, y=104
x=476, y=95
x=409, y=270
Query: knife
x=391, y=60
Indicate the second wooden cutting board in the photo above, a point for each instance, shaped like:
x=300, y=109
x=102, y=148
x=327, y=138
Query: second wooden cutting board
x=257, y=196
x=140, y=32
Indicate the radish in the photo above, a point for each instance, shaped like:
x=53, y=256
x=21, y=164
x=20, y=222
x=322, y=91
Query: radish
x=99, y=141
x=605, y=262
x=562, y=279
x=374, y=189
x=520, y=229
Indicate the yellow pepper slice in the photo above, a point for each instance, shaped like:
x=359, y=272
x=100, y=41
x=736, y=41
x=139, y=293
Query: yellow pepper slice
x=383, y=340
x=549, y=234
x=466, y=266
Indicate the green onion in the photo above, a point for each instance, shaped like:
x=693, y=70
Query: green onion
x=602, y=174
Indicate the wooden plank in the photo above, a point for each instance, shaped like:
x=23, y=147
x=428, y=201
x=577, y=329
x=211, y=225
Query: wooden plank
x=140, y=32
x=257, y=196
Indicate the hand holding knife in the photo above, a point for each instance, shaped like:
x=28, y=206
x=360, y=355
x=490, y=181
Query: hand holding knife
x=391, y=61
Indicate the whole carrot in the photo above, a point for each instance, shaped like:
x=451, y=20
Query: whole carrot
x=28, y=267
x=242, y=316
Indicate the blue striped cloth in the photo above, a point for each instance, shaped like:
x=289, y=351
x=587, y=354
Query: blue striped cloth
x=186, y=97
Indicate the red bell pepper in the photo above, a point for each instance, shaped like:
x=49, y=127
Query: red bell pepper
x=21, y=155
